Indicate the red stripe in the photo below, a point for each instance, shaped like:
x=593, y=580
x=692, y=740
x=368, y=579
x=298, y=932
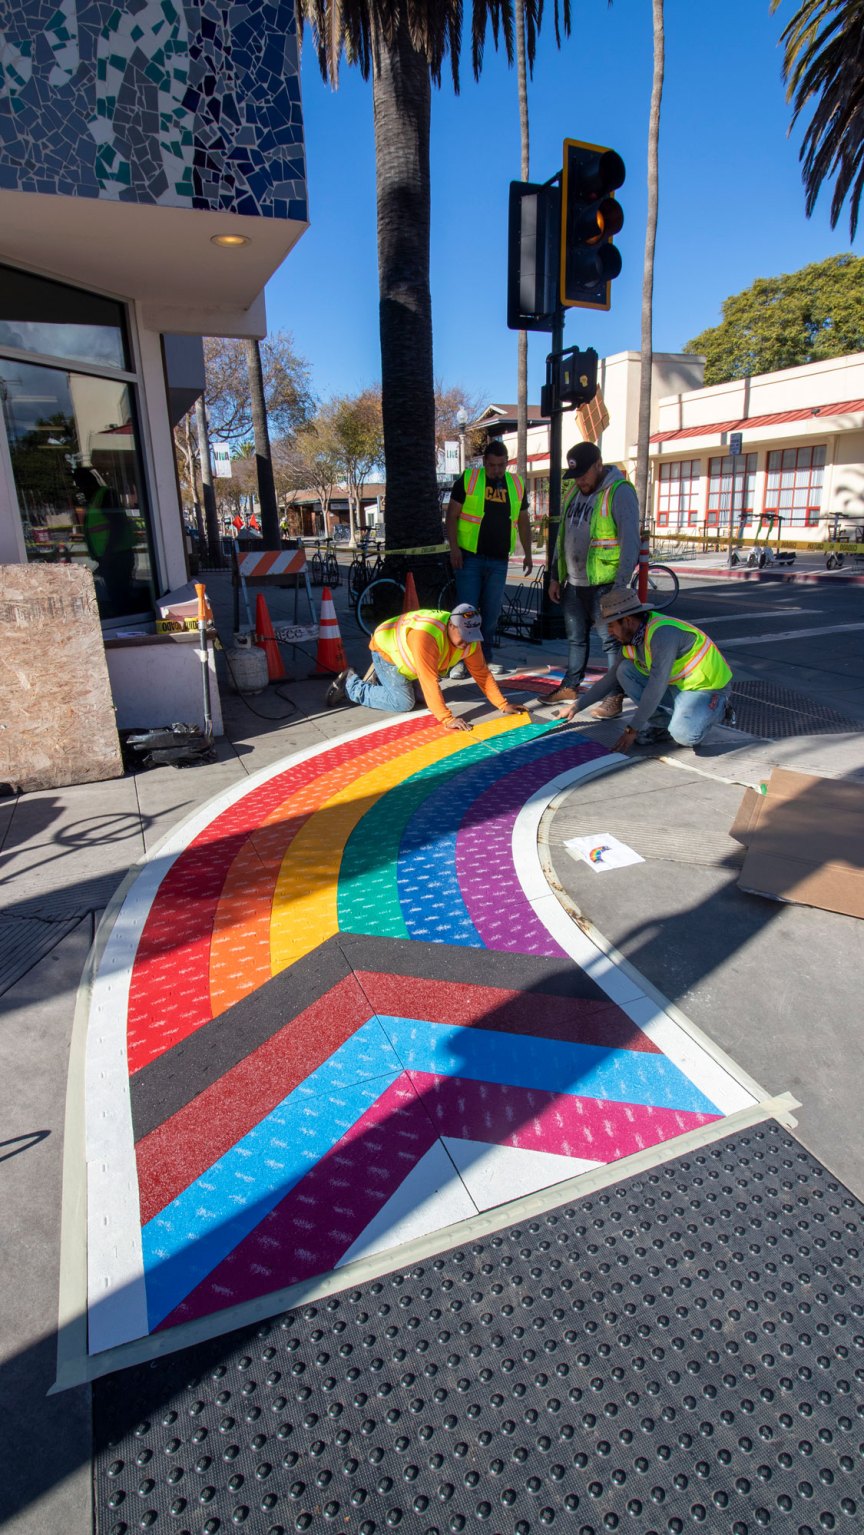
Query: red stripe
x=182, y=1148
x=576, y=1020
x=170, y=985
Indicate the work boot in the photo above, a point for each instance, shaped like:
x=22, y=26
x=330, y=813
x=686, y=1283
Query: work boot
x=653, y=735
x=562, y=695
x=497, y=669
x=609, y=708
x=459, y=671
x=336, y=694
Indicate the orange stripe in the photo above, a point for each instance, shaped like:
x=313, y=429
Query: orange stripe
x=240, y=945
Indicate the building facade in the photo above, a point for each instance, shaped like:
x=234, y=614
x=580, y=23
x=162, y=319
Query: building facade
x=800, y=468
x=152, y=178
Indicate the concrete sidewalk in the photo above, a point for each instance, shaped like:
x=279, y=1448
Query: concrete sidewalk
x=64, y=851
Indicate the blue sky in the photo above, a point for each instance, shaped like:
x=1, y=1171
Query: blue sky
x=731, y=198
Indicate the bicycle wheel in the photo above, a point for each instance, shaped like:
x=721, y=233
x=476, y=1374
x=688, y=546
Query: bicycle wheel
x=316, y=570
x=334, y=574
x=663, y=586
x=379, y=601
x=448, y=597
x=358, y=580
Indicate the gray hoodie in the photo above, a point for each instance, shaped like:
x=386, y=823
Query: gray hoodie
x=576, y=524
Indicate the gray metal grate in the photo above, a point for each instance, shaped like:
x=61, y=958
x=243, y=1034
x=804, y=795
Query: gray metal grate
x=773, y=712
x=682, y=1350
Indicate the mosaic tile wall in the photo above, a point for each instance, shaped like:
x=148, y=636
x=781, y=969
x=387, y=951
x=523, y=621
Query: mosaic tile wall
x=185, y=105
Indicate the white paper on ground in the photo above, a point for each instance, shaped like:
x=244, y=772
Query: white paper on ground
x=602, y=851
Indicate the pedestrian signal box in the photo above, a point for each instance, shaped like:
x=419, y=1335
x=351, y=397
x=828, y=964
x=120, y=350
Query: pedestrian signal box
x=590, y=217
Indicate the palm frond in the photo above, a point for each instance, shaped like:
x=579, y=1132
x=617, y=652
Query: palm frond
x=824, y=64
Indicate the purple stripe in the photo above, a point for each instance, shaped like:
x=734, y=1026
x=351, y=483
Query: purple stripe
x=484, y=856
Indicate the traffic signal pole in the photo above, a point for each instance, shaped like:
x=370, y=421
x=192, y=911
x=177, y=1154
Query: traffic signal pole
x=551, y=611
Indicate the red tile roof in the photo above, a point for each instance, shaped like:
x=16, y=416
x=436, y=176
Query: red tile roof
x=803, y=413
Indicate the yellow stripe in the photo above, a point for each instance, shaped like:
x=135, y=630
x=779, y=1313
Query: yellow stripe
x=305, y=899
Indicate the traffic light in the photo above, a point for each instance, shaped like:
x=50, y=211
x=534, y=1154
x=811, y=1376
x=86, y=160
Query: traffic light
x=590, y=216
x=533, y=243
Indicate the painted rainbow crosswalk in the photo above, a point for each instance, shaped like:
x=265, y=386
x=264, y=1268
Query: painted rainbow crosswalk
x=341, y=1006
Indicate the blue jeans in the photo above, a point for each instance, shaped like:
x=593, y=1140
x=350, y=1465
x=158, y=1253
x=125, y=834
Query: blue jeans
x=392, y=691
x=481, y=582
x=580, y=606
x=692, y=714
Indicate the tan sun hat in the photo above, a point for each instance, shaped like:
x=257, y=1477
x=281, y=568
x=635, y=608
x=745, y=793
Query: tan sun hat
x=621, y=602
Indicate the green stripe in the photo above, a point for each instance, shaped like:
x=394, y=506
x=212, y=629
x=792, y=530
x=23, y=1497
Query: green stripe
x=368, y=895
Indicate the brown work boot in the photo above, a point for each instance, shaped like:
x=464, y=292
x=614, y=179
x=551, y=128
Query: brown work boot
x=610, y=707
x=561, y=695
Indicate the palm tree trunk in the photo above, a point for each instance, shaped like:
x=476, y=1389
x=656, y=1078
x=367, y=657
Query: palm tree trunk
x=522, y=340
x=401, y=98
x=648, y=270
x=270, y=533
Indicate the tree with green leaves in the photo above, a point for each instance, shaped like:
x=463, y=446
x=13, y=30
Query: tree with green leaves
x=784, y=322
x=824, y=64
x=402, y=45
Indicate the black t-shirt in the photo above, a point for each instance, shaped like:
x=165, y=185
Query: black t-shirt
x=493, y=539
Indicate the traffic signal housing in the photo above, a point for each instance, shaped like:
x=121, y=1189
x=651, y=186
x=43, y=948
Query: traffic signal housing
x=590, y=217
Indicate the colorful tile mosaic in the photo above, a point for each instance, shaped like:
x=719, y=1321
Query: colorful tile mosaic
x=328, y=983
x=185, y=105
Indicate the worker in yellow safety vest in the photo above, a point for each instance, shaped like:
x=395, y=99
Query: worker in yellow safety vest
x=595, y=552
x=487, y=508
x=421, y=646
x=674, y=674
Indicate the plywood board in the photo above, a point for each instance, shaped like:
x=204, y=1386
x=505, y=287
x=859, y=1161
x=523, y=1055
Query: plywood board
x=57, y=722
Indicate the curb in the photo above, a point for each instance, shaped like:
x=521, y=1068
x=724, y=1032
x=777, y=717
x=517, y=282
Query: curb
x=790, y=577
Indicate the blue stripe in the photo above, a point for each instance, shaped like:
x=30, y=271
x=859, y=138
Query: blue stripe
x=548, y=1065
x=198, y=1229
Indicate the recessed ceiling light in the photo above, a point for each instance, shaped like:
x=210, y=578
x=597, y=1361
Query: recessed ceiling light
x=230, y=240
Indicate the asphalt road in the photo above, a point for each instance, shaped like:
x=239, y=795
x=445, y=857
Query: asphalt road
x=806, y=637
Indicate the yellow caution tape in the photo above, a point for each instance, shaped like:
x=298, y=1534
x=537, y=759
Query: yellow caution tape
x=421, y=549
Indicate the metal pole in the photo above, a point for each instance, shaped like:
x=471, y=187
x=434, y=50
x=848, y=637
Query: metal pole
x=203, y=657
x=551, y=619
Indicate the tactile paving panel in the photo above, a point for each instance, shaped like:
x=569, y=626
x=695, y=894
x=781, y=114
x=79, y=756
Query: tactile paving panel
x=775, y=713
x=683, y=1350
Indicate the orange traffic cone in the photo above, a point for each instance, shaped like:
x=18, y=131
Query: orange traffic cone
x=410, y=602
x=266, y=639
x=331, y=652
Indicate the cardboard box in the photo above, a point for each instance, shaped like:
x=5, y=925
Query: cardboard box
x=805, y=841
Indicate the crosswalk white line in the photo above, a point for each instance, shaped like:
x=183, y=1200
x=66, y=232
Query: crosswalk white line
x=742, y=618
x=790, y=634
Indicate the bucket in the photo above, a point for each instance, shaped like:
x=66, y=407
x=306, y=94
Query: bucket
x=247, y=666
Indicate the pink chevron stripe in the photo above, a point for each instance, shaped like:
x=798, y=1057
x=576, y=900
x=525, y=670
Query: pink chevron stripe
x=170, y=985
x=569, y=1126
x=316, y=1223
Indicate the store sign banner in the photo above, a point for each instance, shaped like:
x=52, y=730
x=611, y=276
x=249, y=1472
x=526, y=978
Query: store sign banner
x=221, y=454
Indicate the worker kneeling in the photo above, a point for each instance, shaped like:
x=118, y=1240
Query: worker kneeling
x=421, y=647
x=674, y=674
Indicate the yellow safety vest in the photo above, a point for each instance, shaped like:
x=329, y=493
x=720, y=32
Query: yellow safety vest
x=391, y=638
x=472, y=509
x=701, y=669
x=604, y=549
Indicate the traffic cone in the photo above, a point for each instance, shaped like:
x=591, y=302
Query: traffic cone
x=266, y=639
x=331, y=652
x=410, y=602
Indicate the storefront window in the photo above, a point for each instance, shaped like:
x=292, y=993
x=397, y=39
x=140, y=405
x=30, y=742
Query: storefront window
x=793, y=488
x=73, y=446
x=57, y=321
x=731, y=485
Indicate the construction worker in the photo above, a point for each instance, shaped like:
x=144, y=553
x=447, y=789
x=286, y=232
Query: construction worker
x=486, y=509
x=596, y=550
x=420, y=647
x=674, y=674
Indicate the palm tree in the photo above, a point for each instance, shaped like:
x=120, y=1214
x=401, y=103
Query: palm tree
x=824, y=62
x=647, y=346
x=403, y=44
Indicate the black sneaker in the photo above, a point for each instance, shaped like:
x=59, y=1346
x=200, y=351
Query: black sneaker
x=653, y=735
x=729, y=716
x=336, y=694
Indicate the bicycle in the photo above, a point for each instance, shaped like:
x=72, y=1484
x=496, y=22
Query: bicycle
x=324, y=568
x=333, y=575
x=663, y=586
x=383, y=599
x=316, y=566
x=361, y=572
